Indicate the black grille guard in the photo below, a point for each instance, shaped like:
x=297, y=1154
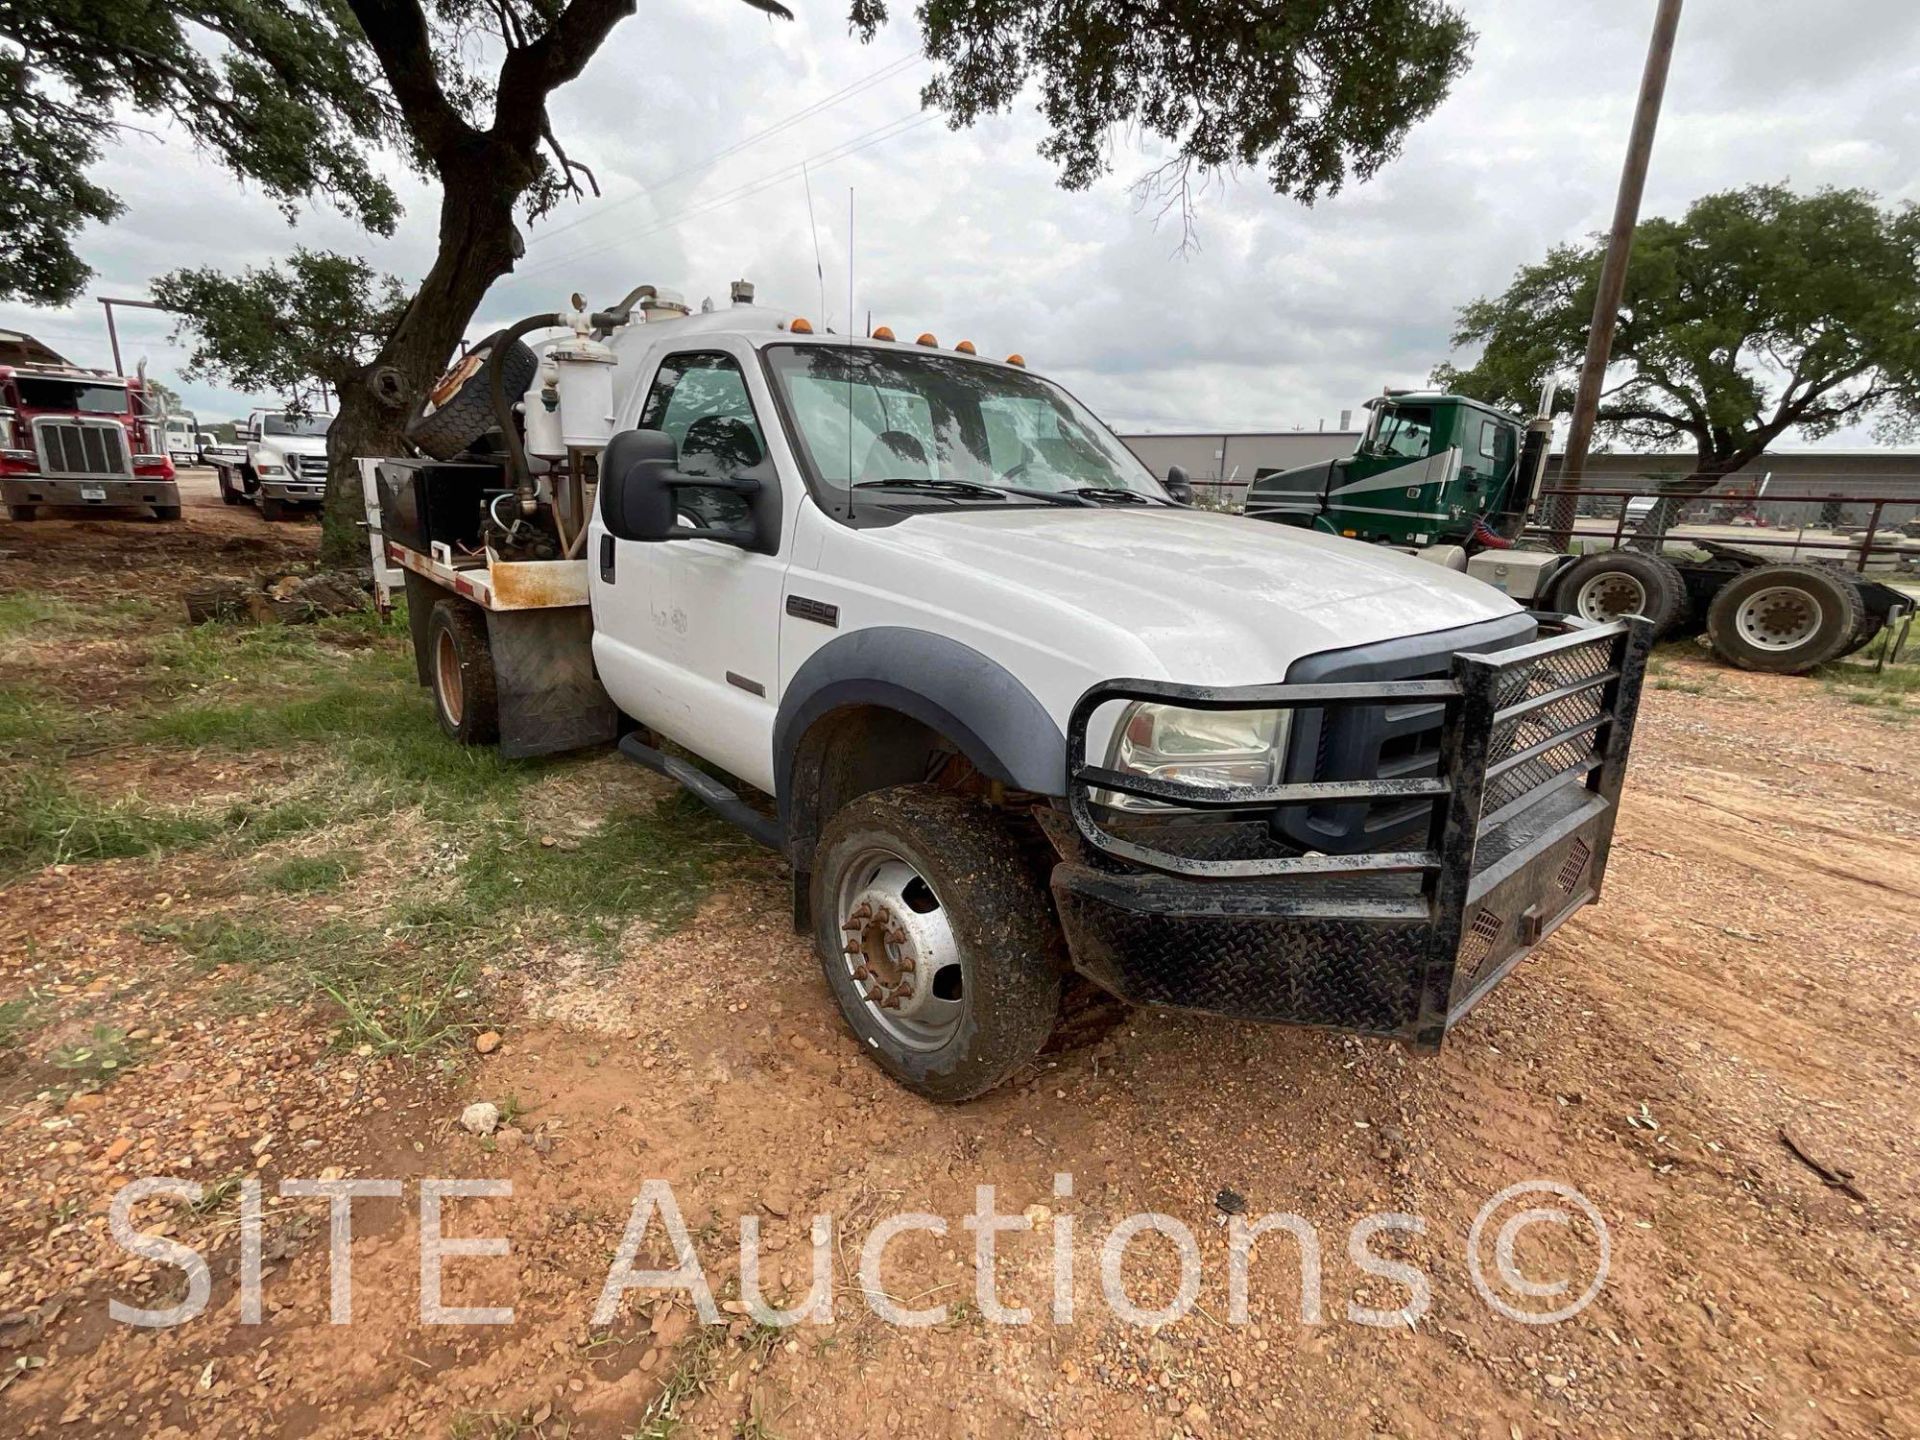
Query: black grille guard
x=1533, y=753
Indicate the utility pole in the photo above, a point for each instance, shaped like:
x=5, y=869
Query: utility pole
x=1613, y=272
x=113, y=334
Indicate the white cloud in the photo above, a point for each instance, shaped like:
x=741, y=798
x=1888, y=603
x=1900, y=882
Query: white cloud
x=1285, y=316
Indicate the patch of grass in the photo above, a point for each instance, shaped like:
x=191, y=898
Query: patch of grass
x=44, y=820
x=655, y=865
x=697, y=1369
x=28, y=613
x=31, y=724
x=398, y=1010
x=308, y=874
x=18, y=1018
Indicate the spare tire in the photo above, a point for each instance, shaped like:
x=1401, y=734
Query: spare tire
x=1784, y=619
x=1619, y=583
x=458, y=410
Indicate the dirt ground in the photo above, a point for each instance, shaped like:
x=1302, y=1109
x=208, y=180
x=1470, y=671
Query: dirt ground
x=1748, y=980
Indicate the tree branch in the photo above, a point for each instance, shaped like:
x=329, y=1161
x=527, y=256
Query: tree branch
x=397, y=31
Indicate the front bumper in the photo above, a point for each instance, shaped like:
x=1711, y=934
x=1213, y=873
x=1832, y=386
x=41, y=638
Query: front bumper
x=295, y=492
x=1209, y=908
x=94, y=494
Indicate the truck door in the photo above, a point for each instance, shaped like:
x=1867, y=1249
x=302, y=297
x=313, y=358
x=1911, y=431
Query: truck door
x=687, y=632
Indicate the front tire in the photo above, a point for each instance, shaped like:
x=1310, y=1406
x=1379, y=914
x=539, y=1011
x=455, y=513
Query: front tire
x=1784, y=619
x=272, y=510
x=23, y=513
x=460, y=664
x=936, y=938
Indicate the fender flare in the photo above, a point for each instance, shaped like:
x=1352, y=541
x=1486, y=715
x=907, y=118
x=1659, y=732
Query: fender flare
x=968, y=697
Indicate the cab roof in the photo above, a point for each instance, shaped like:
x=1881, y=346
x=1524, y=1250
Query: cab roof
x=763, y=325
x=1441, y=397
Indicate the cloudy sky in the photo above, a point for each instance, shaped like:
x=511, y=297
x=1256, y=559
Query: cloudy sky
x=1284, y=317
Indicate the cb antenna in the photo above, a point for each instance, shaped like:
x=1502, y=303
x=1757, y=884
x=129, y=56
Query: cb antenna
x=819, y=270
x=849, y=351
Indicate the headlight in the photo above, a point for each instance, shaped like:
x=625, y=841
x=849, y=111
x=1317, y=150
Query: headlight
x=1214, y=748
x=272, y=469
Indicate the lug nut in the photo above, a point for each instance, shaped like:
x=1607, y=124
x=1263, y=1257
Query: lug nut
x=907, y=964
x=896, y=936
x=905, y=992
x=854, y=947
x=862, y=972
x=873, y=994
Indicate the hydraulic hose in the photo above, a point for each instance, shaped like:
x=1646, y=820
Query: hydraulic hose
x=523, y=483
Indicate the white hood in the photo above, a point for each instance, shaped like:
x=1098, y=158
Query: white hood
x=1200, y=598
x=295, y=444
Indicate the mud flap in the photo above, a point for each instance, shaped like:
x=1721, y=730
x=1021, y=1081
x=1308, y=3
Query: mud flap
x=550, y=695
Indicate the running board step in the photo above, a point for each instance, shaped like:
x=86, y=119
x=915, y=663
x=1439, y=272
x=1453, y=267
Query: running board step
x=708, y=791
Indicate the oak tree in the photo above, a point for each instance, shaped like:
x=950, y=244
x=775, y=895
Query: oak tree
x=1757, y=313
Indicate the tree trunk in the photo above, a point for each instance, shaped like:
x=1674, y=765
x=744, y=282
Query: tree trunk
x=479, y=188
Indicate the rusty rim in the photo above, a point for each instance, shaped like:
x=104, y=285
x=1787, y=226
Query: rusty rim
x=899, y=950
x=451, y=382
x=448, y=683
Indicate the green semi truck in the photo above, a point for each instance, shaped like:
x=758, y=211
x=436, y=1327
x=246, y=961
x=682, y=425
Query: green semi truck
x=1456, y=480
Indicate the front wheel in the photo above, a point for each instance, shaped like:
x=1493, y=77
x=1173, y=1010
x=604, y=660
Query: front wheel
x=273, y=510
x=23, y=513
x=936, y=938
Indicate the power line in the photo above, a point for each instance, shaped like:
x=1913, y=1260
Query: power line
x=838, y=97
x=865, y=141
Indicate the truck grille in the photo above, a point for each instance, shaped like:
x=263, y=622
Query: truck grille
x=82, y=448
x=308, y=467
x=1384, y=742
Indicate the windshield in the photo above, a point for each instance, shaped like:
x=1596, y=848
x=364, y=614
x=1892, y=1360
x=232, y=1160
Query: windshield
x=865, y=415
x=295, y=424
x=1402, y=430
x=77, y=395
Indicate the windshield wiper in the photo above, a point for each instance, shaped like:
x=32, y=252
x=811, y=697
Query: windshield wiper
x=954, y=488
x=1104, y=493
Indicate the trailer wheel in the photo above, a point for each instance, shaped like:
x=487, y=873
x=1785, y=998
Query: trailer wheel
x=1619, y=583
x=936, y=938
x=460, y=664
x=1784, y=619
x=459, y=408
x=23, y=513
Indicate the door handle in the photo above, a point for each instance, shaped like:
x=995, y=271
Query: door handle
x=606, y=558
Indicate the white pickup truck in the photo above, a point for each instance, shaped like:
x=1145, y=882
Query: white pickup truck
x=1009, y=709
x=280, y=463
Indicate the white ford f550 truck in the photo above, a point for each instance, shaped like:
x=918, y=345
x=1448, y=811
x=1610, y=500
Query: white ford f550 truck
x=280, y=463
x=1009, y=709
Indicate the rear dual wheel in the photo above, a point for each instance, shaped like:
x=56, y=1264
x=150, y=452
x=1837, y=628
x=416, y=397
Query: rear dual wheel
x=460, y=668
x=1786, y=619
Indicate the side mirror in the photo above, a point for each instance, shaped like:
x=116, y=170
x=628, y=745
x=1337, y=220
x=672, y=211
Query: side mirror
x=639, y=482
x=1178, y=485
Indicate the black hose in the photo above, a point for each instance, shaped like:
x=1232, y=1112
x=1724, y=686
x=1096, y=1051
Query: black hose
x=523, y=485
x=605, y=322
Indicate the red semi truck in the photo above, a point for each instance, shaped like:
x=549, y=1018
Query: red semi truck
x=70, y=436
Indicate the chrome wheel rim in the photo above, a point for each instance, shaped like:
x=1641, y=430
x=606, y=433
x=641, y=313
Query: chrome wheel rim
x=446, y=677
x=1781, y=617
x=898, y=951
x=1611, y=595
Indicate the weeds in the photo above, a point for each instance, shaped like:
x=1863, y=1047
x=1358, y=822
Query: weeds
x=102, y=1057
x=697, y=1370
x=18, y=1018
x=397, y=1014
x=307, y=874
